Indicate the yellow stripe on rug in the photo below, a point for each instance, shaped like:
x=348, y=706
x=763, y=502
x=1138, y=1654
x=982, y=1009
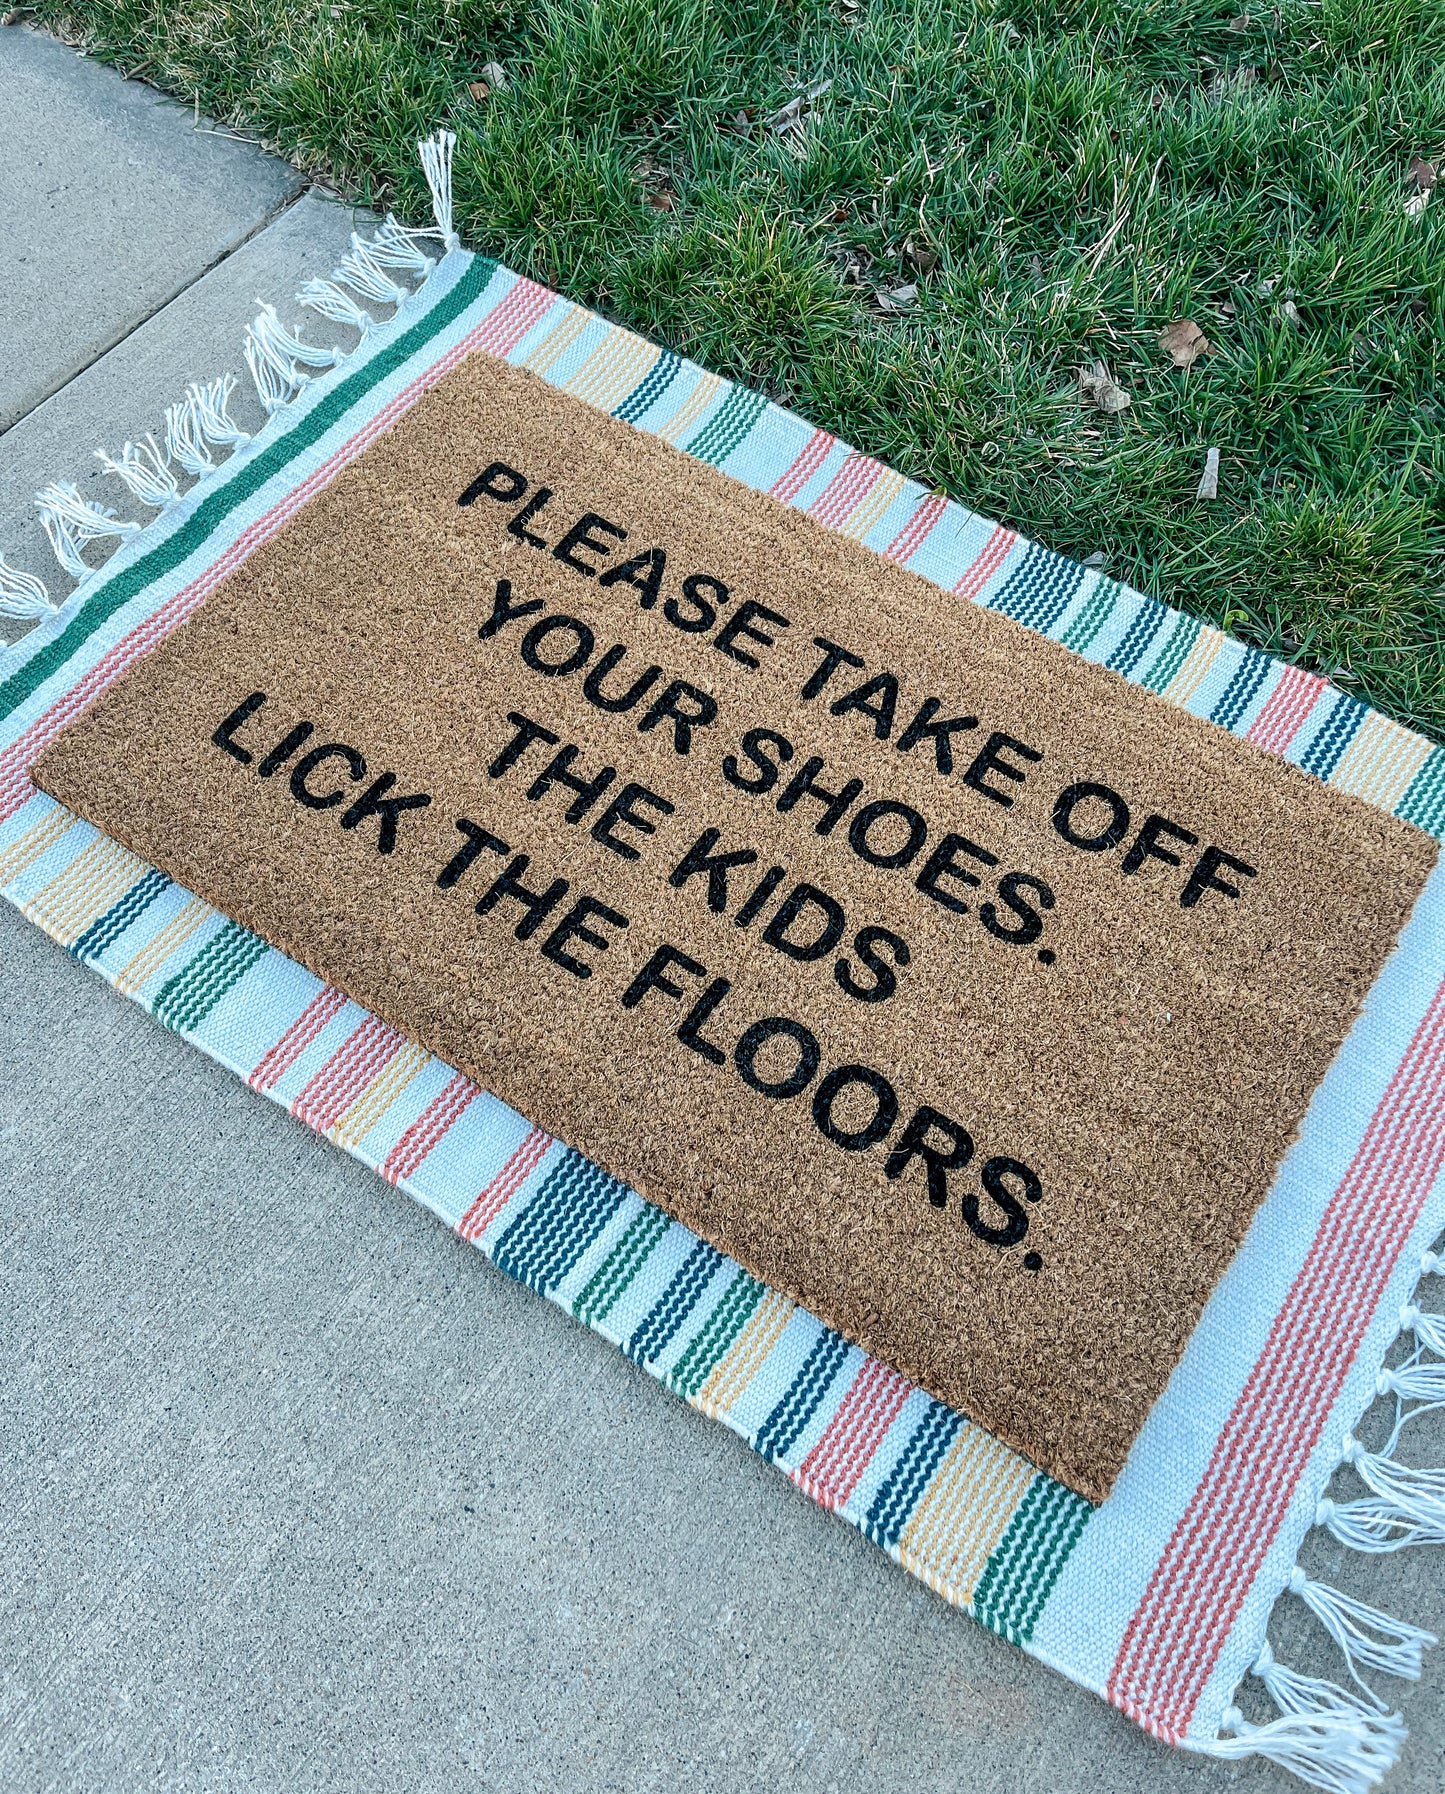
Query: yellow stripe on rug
x=383, y=1090
x=86, y=889
x=37, y=839
x=1380, y=762
x=970, y=1501
x=159, y=948
x=736, y=1368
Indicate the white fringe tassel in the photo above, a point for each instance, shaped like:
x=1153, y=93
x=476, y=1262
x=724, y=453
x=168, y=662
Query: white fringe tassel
x=1327, y=1750
x=1418, y=1380
x=212, y=416
x=145, y=471
x=71, y=522
x=282, y=343
x=1405, y=1506
x=274, y=381
x=327, y=299
x=1323, y=1734
x=1367, y=1638
x=200, y=423
x=1329, y=1737
x=281, y=363
x=185, y=441
x=364, y=273
x=22, y=594
x=392, y=246
x=1429, y=1329
x=436, y=165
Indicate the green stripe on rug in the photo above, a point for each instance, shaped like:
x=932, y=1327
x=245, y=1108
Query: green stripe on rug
x=716, y=1335
x=1424, y=802
x=117, y=592
x=184, y=1001
x=1173, y=655
x=1026, y=1562
x=615, y=1274
x=728, y=425
x=1090, y=620
x=571, y=1209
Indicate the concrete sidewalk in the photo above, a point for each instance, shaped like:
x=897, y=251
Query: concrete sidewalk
x=300, y=1492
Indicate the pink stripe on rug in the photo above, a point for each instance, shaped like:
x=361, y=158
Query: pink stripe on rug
x=514, y=317
x=274, y=1064
x=815, y=453
x=914, y=533
x=834, y=1467
x=1174, y=1639
x=847, y=489
x=1285, y=711
x=495, y=1195
x=983, y=566
x=327, y=1096
x=429, y=1128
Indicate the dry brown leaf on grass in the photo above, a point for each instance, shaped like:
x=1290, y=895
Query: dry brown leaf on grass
x=895, y=300
x=791, y=116
x=787, y=118
x=922, y=257
x=657, y=188
x=1184, y=342
x=479, y=91
x=1098, y=387
x=853, y=264
x=1209, y=479
x=1225, y=83
x=1420, y=178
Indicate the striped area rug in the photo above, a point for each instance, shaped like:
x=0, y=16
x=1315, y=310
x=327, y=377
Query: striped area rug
x=1158, y=1600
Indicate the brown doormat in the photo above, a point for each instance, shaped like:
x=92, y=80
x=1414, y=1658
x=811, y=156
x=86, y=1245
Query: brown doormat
x=947, y=981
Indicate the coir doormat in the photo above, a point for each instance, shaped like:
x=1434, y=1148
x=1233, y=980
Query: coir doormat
x=1158, y=1597
x=939, y=977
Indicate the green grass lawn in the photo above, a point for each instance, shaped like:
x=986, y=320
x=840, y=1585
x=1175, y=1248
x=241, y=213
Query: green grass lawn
x=1059, y=180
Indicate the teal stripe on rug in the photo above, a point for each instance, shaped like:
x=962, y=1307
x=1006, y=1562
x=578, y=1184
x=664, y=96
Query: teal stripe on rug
x=903, y=1489
x=551, y=1234
x=1424, y=801
x=784, y=1426
x=131, y=581
x=619, y=1270
x=184, y=1001
x=1093, y=615
x=1173, y=654
x=664, y=1320
x=1026, y=1562
x=727, y=427
x=107, y=929
x=716, y=1336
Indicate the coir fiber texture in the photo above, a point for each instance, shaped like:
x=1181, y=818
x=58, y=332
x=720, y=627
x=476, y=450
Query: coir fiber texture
x=597, y=780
